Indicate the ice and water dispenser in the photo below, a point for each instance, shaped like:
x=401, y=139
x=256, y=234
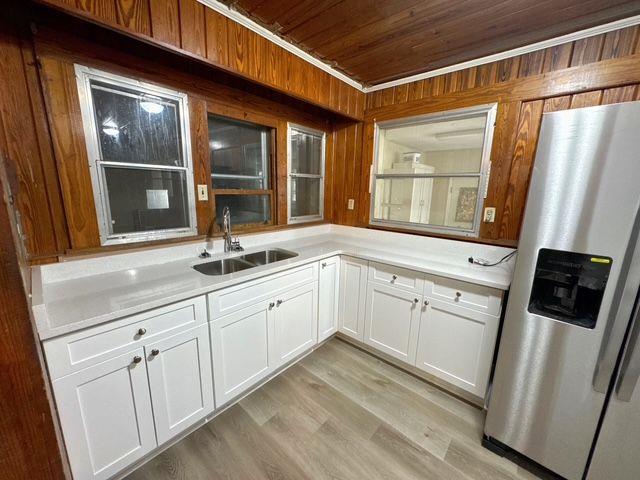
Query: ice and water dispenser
x=569, y=286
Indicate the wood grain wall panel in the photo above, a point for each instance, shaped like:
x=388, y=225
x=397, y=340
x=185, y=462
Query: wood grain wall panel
x=348, y=165
x=620, y=43
x=531, y=64
x=620, y=94
x=192, y=27
x=557, y=103
x=27, y=432
x=216, y=34
x=587, y=99
x=165, y=21
x=587, y=50
x=502, y=149
x=521, y=166
x=557, y=58
x=134, y=15
x=507, y=69
x=200, y=158
x=26, y=149
x=65, y=121
x=281, y=174
x=101, y=9
x=485, y=75
x=415, y=91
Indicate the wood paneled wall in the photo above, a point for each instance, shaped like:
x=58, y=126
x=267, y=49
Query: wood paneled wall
x=599, y=69
x=190, y=28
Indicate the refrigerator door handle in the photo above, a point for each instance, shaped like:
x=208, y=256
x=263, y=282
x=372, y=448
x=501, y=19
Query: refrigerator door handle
x=630, y=366
x=622, y=307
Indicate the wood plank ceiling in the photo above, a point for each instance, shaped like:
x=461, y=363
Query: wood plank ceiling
x=375, y=41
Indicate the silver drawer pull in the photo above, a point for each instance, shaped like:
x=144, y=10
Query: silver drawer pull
x=426, y=303
x=271, y=305
x=155, y=352
x=394, y=277
x=278, y=303
x=142, y=331
x=415, y=300
x=137, y=359
x=458, y=295
x=324, y=264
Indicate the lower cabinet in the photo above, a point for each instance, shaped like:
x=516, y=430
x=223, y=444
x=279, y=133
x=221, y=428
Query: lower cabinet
x=106, y=417
x=392, y=321
x=250, y=344
x=181, y=381
x=328, y=297
x=353, y=288
x=456, y=344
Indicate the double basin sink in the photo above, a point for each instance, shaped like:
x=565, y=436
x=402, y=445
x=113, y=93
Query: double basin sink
x=243, y=262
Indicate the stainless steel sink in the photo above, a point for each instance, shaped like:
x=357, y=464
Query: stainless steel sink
x=237, y=264
x=268, y=256
x=224, y=266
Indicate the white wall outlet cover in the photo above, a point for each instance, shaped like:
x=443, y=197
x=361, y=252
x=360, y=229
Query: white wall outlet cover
x=203, y=193
x=351, y=203
x=490, y=214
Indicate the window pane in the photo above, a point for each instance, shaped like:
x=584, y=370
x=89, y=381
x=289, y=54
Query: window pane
x=239, y=149
x=142, y=200
x=305, y=196
x=244, y=208
x=306, y=153
x=136, y=128
x=448, y=146
x=443, y=201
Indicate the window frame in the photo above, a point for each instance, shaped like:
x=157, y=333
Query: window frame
x=323, y=135
x=483, y=174
x=84, y=76
x=242, y=116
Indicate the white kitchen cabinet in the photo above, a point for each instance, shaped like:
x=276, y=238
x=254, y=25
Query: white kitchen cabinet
x=106, y=417
x=181, y=381
x=242, y=349
x=328, y=297
x=353, y=289
x=392, y=321
x=295, y=322
x=456, y=344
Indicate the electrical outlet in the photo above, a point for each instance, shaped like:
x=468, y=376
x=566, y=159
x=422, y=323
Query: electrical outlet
x=351, y=203
x=490, y=214
x=203, y=193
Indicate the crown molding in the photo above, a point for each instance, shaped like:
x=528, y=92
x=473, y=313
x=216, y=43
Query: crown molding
x=571, y=37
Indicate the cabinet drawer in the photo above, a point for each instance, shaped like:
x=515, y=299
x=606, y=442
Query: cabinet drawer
x=79, y=350
x=396, y=276
x=233, y=298
x=476, y=297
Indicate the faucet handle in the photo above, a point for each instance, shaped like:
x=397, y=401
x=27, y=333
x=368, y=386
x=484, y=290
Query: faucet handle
x=204, y=254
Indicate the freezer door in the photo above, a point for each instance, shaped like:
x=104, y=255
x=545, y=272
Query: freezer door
x=616, y=451
x=551, y=376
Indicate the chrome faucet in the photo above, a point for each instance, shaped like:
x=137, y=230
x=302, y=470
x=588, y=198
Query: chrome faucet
x=230, y=245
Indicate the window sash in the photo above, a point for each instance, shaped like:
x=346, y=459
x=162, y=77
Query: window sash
x=290, y=175
x=84, y=77
x=482, y=175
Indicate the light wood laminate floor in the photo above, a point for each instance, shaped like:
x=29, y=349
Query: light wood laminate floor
x=340, y=413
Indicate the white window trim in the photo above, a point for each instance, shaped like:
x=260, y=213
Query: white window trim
x=483, y=174
x=83, y=77
x=319, y=133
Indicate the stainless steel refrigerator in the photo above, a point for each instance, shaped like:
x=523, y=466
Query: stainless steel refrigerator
x=564, y=391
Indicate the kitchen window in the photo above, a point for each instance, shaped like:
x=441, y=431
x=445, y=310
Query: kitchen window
x=431, y=172
x=137, y=138
x=241, y=170
x=306, y=158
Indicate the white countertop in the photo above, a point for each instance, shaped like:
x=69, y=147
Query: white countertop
x=63, y=304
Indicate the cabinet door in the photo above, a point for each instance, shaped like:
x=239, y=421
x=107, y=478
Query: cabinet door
x=392, y=321
x=328, y=294
x=242, y=350
x=180, y=380
x=456, y=344
x=353, y=285
x=295, y=321
x=105, y=414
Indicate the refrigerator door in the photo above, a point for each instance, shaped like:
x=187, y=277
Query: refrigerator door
x=616, y=451
x=584, y=196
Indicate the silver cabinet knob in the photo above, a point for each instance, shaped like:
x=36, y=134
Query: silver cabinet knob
x=271, y=305
x=458, y=295
x=324, y=264
x=426, y=302
x=394, y=277
x=415, y=300
x=278, y=303
x=142, y=331
x=137, y=359
x=155, y=352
